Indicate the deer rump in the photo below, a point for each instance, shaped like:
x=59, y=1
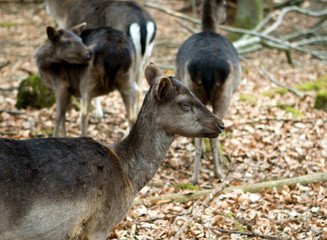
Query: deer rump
x=109, y=55
x=48, y=185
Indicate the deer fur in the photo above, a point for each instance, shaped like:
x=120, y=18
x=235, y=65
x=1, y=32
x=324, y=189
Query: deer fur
x=77, y=188
x=109, y=67
x=126, y=16
x=209, y=65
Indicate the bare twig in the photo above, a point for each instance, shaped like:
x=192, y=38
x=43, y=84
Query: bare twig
x=275, y=40
x=172, y=12
x=258, y=37
x=12, y=112
x=8, y=89
x=272, y=79
x=320, y=24
x=279, y=20
x=249, y=234
x=265, y=120
x=2, y=65
x=255, y=187
x=188, y=28
x=311, y=40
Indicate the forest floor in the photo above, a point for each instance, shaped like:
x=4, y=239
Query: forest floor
x=270, y=134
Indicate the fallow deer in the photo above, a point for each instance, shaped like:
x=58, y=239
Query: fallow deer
x=209, y=65
x=77, y=188
x=68, y=66
x=126, y=16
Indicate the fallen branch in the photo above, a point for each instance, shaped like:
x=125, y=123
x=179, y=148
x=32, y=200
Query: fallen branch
x=8, y=89
x=283, y=12
x=303, y=180
x=12, y=112
x=272, y=79
x=267, y=120
x=172, y=12
x=249, y=234
x=258, y=37
x=2, y=65
x=188, y=28
x=253, y=188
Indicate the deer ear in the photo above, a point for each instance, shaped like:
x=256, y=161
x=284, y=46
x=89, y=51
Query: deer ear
x=152, y=73
x=52, y=33
x=78, y=29
x=164, y=88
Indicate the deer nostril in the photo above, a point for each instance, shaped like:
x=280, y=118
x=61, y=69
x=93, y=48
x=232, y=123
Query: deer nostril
x=221, y=127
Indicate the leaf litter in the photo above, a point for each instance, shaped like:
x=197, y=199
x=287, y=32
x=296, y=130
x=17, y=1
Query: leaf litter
x=262, y=142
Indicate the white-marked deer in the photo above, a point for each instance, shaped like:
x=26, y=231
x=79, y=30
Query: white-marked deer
x=68, y=66
x=209, y=65
x=77, y=188
x=126, y=16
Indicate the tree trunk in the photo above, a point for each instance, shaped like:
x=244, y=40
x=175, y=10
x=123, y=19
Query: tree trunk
x=248, y=13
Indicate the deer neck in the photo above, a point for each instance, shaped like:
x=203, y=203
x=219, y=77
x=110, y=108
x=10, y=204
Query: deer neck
x=45, y=56
x=143, y=150
x=209, y=21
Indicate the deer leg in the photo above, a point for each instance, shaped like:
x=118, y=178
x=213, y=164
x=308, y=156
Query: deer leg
x=197, y=159
x=138, y=97
x=62, y=103
x=215, y=150
x=128, y=93
x=85, y=108
x=220, y=108
x=98, y=108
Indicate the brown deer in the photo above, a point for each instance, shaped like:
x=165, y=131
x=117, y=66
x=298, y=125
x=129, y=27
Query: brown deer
x=66, y=65
x=126, y=16
x=209, y=65
x=77, y=188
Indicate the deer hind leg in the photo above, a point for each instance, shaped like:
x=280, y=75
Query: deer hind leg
x=62, y=104
x=198, y=153
x=215, y=150
x=135, y=33
x=98, y=108
x=220, y=108
x=126, y=87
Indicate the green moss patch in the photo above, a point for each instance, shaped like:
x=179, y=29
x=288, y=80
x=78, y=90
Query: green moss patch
x=251, y=99
x=12, y=24
x=32, y=92
x=321, y=100
x=290, y=109
x=319, y=84
x=275, y=91
x=188, y=186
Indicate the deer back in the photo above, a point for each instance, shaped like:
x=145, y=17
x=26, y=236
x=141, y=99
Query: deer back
x=78, y=182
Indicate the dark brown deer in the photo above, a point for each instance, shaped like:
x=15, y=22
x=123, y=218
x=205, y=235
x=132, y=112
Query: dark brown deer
x=126, y=16
x=77, y=188
x=209, y=65
x=66, y=65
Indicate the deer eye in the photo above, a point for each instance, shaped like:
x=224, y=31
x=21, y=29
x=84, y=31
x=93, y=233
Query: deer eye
x=185, y=106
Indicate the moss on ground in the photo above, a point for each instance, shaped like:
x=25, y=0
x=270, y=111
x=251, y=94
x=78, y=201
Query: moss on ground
x=274, y=91
x=321, y=100
x=32, y=92
x=188, y=186
x=251, y=99
x=290, y=109
x=319, y=84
